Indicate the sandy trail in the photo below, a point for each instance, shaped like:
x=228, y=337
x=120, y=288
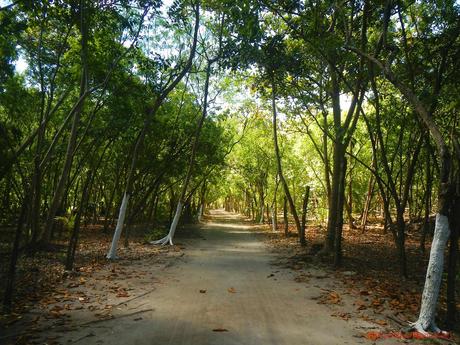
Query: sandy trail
x=249, y=300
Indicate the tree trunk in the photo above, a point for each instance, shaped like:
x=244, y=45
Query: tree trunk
x=108, y=208
x=35, y=201
x=151, y=213
x=367, y=205
x=262, y=212
x=9, y=288
x=72, y=246
x=327, y=168
x=140, y=140
x=274, y=220
x=304, y=209
x=280, y=170
x=285, y=217
x=426, y=320
x=349, y=203
x=339, y=221
x=451, y=317
x=58, y=194
x=401, y=243
x=433, y=279
x=172, y=230
x=334, y=210
x=427, y=206
x=274, y=209
x=112, y=254
x=267, y=209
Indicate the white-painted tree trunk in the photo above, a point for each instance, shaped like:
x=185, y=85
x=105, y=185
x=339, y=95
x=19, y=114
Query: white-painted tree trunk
x=169, y=87
x=112, y=254
x=172, y=230
x=182, y=198
x=273, y=219
x=426, y=319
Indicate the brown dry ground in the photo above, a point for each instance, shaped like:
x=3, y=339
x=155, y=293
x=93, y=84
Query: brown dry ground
x=370, y=270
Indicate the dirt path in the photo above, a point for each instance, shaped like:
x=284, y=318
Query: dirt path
x=244, y=299
x=219, y=285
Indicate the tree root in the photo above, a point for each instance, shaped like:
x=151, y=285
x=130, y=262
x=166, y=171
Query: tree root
x=432, y=327
x=163, y=241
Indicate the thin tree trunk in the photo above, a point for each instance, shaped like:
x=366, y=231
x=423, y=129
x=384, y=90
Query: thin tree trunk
x=37, y=175
x=285, y=217
x=367, y=205
x=327, y=167
x=274, y=209
x=58, y=194
x=267, y=210
x=72, y=246
x=280, y=170
x=172, y=230
x=9, y=287
x=262, y=210
x=202, y=201
x=305, y=208
x=139, y=208
x=349, y=203
x=109, y=206
x=155, y=211
x=140, y=140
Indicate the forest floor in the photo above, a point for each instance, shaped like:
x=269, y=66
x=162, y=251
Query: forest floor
x=226, y=281
x=369, y=273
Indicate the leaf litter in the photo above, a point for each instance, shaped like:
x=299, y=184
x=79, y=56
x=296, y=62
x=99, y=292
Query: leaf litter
x=49, y=297
x=369, y=275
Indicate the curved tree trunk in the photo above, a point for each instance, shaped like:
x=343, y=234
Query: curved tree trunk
x=112, y=254
x=280, y=170
x=72, y=246
x=182, y=198
x=426, y=320
x=77, y=111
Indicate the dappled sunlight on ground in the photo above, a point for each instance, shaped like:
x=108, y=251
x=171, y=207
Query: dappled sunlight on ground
x=225, y=225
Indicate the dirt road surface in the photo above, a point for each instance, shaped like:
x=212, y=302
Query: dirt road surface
x=224, y=292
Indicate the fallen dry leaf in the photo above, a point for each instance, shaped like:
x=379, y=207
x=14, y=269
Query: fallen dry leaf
x=381, y=322
x=372, y=335
x=231, y=290
x=409, y=335
x=122, y=293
